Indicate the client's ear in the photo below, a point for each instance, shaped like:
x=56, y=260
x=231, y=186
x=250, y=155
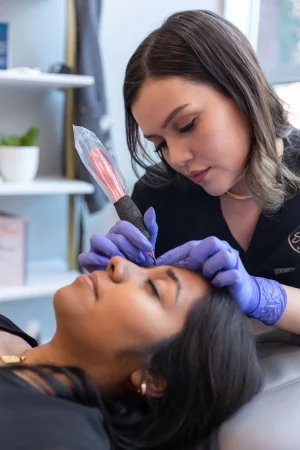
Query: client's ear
x=153, y=385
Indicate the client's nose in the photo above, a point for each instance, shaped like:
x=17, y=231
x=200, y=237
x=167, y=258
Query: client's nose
x=120, y=269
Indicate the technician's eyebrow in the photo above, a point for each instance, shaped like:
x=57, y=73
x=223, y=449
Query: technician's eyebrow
x=170, y=273
x=170, y=117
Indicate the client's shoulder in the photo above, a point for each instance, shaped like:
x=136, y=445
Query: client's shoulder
x=8, y=326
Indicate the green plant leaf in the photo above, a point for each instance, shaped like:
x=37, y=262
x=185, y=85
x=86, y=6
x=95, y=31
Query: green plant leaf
x=12, y=141
x=27, y=140
x=30, y=138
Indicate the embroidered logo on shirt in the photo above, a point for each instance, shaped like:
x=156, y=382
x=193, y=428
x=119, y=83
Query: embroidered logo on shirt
x=294, y=241
x=283, y=270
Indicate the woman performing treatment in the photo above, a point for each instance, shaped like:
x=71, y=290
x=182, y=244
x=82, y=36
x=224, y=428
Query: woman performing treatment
x=137, y=362
x=224, y=197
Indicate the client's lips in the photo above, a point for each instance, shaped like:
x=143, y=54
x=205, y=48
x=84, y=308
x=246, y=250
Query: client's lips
x=93, y=278
x=88, y=282
x=198, y=176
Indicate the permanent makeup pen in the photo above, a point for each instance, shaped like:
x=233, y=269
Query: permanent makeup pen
x=100, y=164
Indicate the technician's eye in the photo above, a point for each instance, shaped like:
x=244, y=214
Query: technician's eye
x=160, y=146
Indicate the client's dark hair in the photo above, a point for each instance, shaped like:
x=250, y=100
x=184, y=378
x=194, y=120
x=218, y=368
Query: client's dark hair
x=211, y=369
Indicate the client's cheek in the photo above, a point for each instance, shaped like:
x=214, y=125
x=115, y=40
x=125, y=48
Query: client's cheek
x=71, y=302
x=170, y=325
x=59, y=292
x=59, y=298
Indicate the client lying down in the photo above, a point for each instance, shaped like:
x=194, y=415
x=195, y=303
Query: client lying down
x=141, y=359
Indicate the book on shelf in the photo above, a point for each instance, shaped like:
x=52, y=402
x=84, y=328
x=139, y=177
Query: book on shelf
x=13, y=250
x=4, y=46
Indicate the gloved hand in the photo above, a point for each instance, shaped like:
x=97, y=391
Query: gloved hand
x=257, y=297
x=123, y=239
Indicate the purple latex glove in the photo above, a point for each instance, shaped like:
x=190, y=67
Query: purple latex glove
x=123, y=239
x=257, y=297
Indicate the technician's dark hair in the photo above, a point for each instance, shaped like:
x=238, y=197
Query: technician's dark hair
x=211, y=369
x=203, y=47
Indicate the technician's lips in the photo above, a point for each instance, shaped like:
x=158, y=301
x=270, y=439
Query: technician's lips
x=198, y=177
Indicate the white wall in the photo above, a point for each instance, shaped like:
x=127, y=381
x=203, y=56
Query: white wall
x=245, y=18
x=131, y=21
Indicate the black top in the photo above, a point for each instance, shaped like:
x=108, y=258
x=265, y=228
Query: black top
x=31, y=420
x=185, y=214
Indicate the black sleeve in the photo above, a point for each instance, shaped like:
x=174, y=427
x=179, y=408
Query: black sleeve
x=10, y=327
x=141, y=196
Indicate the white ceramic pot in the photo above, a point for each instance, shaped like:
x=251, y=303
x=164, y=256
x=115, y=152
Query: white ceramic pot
x=19, y=164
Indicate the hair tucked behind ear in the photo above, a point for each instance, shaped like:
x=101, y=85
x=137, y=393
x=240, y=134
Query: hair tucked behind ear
x=211, y=369
x=203, y=47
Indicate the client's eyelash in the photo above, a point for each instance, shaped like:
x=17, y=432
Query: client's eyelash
x=160, y=146
x=153, y=287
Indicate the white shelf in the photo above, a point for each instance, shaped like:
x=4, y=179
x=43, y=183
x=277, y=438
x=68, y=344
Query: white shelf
x=44, y=80
x=44, y=279
x=46, y=186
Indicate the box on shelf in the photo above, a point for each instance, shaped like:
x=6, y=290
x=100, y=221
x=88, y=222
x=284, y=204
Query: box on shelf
x=4, y=46
x=13, y=257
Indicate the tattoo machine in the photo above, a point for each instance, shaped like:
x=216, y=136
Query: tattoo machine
x=101, y=166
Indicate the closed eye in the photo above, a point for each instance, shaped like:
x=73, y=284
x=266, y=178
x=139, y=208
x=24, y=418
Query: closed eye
x=182, y=130
x=160, y=146
x=187, y=127
x=153, y=287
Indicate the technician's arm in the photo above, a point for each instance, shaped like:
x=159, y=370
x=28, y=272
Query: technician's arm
x=290, y=319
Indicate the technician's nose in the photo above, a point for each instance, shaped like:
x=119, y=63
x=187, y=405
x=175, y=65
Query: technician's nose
x=177, y=156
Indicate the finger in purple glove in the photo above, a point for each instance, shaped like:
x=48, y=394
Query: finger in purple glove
x=220, y=261
x=127, y=248
x=206, y=248
x=177, y=255
x=227, y=278
x=102, y=245
x=134, y=235
x=91, y=262
x=151, y=224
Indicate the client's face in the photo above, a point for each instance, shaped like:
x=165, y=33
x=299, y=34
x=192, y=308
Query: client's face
x=125, y=309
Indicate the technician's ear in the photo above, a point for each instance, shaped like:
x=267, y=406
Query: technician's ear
x=148, y=384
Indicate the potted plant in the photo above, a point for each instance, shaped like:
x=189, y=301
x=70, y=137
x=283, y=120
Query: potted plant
x=19, y=156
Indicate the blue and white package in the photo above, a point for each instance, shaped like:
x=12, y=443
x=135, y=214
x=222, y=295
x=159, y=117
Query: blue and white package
x=4, y=48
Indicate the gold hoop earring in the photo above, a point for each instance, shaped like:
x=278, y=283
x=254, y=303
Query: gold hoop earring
x=143, y=388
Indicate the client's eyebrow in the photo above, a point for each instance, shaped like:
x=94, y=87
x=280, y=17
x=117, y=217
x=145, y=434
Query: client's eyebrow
x=170, y=273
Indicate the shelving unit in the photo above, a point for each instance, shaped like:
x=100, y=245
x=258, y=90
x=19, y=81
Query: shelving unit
x=44, y=80
x=44, y=279
x=46, y=186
